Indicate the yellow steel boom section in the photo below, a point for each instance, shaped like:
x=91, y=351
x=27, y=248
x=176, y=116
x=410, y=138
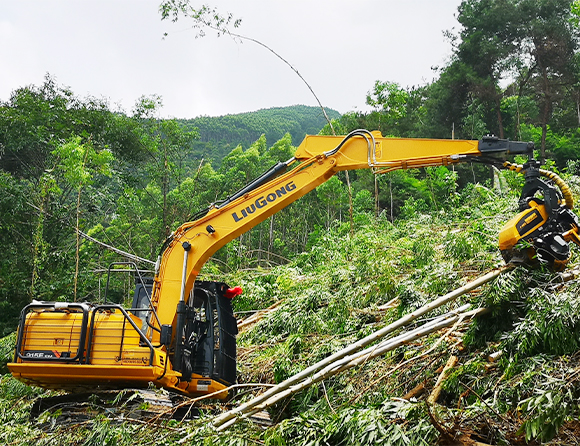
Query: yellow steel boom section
x=316, y=160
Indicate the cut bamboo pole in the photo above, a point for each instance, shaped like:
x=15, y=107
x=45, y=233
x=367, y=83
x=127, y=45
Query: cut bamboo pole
x=370, y=353
x=367, y=353
x=405, y=320
x=258, y=315
x=390, y=304
x=356, y=360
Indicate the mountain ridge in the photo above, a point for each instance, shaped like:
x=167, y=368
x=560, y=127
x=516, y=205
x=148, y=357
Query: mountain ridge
x=218, y=135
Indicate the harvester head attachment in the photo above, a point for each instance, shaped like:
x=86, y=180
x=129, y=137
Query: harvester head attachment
x=541, y=232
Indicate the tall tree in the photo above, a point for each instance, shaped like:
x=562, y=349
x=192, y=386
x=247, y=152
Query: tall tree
x=37, y=119
x=488, y=39
x=79, y=164
x=168, y=145
x=390, y=101
x=532, y=41
x=551, y=41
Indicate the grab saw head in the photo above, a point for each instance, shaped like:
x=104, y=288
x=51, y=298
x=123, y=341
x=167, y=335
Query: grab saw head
x=541, y=232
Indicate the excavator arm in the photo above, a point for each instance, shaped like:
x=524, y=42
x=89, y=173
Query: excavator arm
x=183, y=337
x=316, y=160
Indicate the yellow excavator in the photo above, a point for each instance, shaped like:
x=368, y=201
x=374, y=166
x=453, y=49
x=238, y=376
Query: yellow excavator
x=180, y=332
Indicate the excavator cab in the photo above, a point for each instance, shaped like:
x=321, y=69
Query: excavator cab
x=141, y=306
x=210, y=334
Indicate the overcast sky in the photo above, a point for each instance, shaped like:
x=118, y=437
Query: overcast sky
x=115, y=49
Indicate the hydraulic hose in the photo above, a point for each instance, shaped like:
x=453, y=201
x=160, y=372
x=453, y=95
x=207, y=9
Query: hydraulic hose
x=564, y=188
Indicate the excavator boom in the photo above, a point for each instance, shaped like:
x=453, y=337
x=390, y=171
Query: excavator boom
x=316, y=160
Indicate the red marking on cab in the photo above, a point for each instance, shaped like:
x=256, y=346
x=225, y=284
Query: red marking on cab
x=233, y=292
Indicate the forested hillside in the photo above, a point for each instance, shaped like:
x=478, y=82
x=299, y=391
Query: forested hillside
x=218, y=135
x=73, y=168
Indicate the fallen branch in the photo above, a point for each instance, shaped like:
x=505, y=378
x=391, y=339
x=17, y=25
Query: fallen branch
x=257, y=315
x=415, y=391
x=191, y=401
x=414, y=358
x=115, y=250
x=484, y=402
x=390, y=304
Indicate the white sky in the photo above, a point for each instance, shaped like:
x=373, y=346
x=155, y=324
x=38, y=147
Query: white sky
x=115, y=49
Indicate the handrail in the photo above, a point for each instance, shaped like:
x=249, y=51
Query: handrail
x=142, y=336
x=56, y=307
x=134, y=265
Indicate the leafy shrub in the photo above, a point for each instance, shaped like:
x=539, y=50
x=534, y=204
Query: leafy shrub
x=546, y=412
x=396, y=423
x=460, y=247
x=551, y=325
x=7, y=344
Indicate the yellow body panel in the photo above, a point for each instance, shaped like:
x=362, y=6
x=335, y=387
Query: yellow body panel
x=82, y=376
x=522, y=225
x=58, y=334
x=85, y=378
x=113, y=356
x=106, y=348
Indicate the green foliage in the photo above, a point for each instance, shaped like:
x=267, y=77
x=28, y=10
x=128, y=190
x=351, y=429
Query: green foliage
x=546, y=412
x=79, y=161
x=363, y=202
x=14, y=264
x=561, y=146
x=392, y=423
x=35, y=120
x=203, y=16
x=285, y=364
x=551, y=326
x=7, y=344
x=504, y=297
x=391, y=101
x=105, y=434
x=53, y=143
